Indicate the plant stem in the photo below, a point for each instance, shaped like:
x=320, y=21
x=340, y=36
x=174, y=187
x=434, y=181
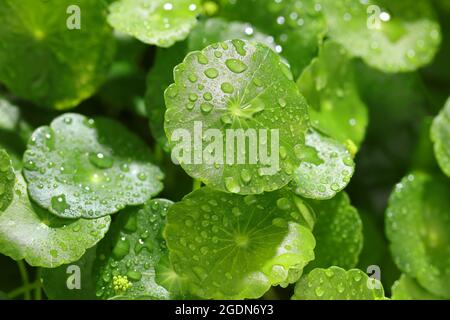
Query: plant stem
x=158, y=154
x=38, y=292
x=25, y=280
x=197, y=184
x=24, y=290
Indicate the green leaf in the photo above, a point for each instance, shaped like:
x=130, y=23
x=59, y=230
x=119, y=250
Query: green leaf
x=338, y=233
x=72, y=281
x=297, y=27
x=80, y=167
x=335, y=283
x=407, y=288
x=42, y=239
x=229, y=246
x=3, y=296
x=158, y=79
x=440, y=134
x=215, y=30
x=7, y=180
x=418, y=228
x=329, y=86
x=393, y=36
x=125, y=267
x=325, y=170
x=44, y=61
x=157, y=22
x=238, y=89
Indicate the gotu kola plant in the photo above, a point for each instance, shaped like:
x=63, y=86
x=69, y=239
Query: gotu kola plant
x=257, y=113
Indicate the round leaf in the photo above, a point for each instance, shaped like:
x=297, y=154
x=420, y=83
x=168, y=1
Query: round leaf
x=338, y=233
x=80, y=167
x=42, y=239
x=229, y=246
x=393, y=36
x=229, y=94
x=418, y=228
x=407, y=288
x=127, y=257
x=329, y=86
x=7, y=180
x=335, y=283
x=440, y=134
x=298, y=27
x=158, y=22
x=46, y=58
x=326, y=168
x=72, y=281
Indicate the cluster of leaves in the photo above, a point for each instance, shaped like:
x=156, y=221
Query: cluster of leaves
x=77, y=189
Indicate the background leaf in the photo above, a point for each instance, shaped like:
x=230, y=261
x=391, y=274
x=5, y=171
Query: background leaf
x=72, y=63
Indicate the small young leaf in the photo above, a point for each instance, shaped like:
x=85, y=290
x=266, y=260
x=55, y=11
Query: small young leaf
x=72, y=281
x=338, y=233
x=335, y=283
x=418, y=228
x=325, y=170
x=55, y=52
x=229, y=246
x=158, y=22
x=80, y=167
x=125, y=267
x=158, y=79
x=235, y=118
x=329, y=86
x=440, y=134
x=7, y=180
x=407, y=288
x=42, y=239
x=393, y=36
x=297, y=27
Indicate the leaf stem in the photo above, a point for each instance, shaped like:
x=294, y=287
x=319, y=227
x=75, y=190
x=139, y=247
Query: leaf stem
x=25, y=279
x=38, y=290
x=24, y=289
x=197, y=184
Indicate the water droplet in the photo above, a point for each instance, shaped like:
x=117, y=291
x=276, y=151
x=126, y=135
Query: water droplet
x=226, y=119
x=284, y=204
x=142, y=176
x=207, y=96
x=100, y=160
x=319, y=291
x=59, y=203
x=235, y=65
x=206, y=107
x=121, y=249
x=239, y=45
x=212, y=73
x=227, y=87
x=193, y=97
x=202, y=59
x=246, y=176
x=134, y=275
x=232, y=185
x=282, y=102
